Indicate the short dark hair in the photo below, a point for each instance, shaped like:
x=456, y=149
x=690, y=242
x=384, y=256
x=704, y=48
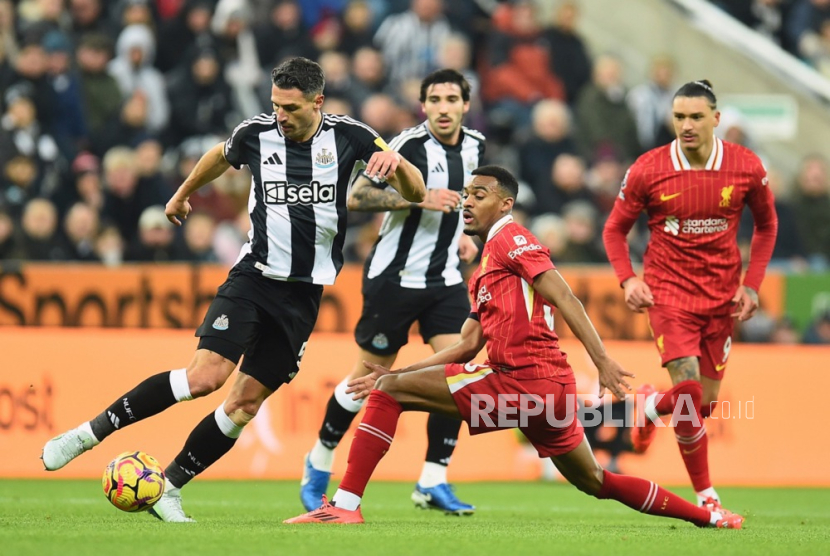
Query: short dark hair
x=506, y=180
x=446, y=76
x=299, y=73
x=700, y=88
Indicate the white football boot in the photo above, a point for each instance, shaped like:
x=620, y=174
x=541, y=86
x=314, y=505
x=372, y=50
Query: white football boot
x=65, y=447
x=169, y=507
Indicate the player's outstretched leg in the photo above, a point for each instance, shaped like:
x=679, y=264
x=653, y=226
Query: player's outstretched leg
x=650, y=498
x=340, y=412
x=152, y=396
x=372, y=440
x=433, y=491
x=581, y=469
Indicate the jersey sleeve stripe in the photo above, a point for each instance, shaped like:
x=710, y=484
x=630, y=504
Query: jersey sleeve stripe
x=262, y=119
x=407, y=135
x=474, y=133
x=351, y=121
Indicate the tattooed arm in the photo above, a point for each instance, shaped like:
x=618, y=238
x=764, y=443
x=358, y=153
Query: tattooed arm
x=368, y=197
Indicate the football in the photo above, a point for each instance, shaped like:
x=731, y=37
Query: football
x=133, y=481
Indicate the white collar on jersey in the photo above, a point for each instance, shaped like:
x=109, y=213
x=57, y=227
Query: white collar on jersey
x=680, y=162
x=500, y=223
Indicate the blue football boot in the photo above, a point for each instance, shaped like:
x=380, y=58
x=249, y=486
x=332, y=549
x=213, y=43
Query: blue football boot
x=313, y=486
x=442, y=498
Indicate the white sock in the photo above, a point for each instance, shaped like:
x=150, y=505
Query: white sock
x=714, y=517
x=87, y=428
x=170, y=487
x=346, y=500
x=321, y=457
x=225, y=424
x=345, y=400
x=179, y=385
x=650, y=407
x=707, y=493
x=432, y=475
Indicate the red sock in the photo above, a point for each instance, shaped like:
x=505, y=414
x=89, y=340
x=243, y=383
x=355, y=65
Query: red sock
x=691, y=435
x=371, y=440
x=668, y=399
x=650, y=498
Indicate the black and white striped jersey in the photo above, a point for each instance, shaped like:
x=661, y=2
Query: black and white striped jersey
x=298, y=195
x=419, y=248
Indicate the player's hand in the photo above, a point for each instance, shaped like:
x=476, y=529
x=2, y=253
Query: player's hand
x=441, y=200
x=177, y=208
x=467, y=249
x=363, y=386
x=637, y=295
x=746, y=303
x=383, y=164
x=612, y=376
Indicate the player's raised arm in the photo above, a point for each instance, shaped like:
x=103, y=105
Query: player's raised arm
x=408, y=181
x=551, y=286
x=366, y=196
x=388, y=165
x=212, y=165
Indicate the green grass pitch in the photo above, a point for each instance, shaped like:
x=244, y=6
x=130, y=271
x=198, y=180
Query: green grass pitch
x=68, y=518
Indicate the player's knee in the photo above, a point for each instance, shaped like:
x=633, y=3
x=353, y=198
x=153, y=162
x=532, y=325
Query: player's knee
x=242, y=410
x=204, y=380
x=241, y=417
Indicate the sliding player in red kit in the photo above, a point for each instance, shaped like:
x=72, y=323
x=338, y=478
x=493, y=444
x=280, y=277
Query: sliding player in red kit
x=693, y=191
x=526, y=381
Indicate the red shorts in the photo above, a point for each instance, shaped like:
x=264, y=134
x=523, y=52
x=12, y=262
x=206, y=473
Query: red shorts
x=542, y=408
x=679, y=333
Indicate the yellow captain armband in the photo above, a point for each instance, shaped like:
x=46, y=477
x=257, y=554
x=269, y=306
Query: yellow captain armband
x=382, y=144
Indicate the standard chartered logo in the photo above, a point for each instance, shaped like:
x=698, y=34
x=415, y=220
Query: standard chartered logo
x=672, y=225
x=284, y=193
x=695, y=226
x=705, y=226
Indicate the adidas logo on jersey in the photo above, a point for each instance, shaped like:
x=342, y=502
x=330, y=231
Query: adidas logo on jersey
x=284, y=193
x=438, y=168
x=273, y=159
x=221, y=323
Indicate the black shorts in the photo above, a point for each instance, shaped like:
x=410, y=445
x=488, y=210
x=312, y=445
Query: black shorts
x=389, y=311
x=267, y=320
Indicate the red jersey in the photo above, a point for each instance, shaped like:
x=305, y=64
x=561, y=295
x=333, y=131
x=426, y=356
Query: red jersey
x=692, y=261
x=517, y=324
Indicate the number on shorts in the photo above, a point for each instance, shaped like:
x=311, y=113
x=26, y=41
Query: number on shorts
x=727, y=345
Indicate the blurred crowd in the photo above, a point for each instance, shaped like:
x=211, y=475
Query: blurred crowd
x=107, y=105
x=801, y=27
